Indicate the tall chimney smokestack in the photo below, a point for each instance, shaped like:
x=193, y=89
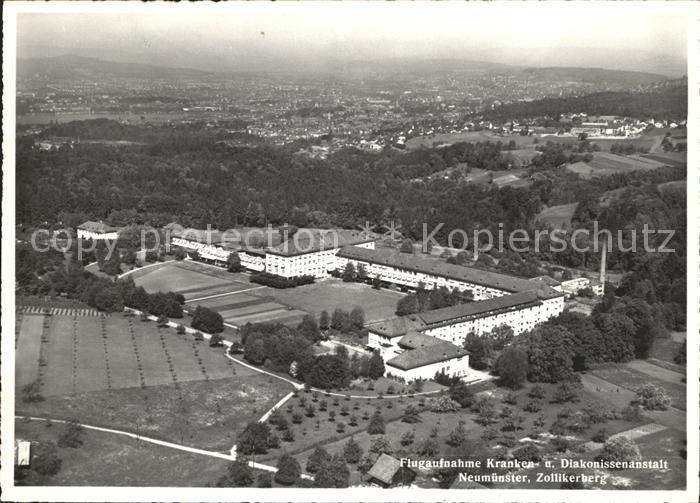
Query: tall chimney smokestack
x=603, y=258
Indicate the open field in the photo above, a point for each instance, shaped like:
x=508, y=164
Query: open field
x=27, y=349
x=204, y=414
x=522, y=156
x=559, y=216
x=251, y=307
x=666, y=349
x=329, y=294
x=88, y=353
x=631, y=378
x=428, y=141
x=122, y=461
x=174, y=277
x=604, y=164
x=288, y=306
x=666, y=444
x=651, y=140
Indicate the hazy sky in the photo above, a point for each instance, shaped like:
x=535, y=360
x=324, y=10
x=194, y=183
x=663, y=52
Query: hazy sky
x=254, y=36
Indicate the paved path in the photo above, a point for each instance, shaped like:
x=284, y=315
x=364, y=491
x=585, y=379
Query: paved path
x=224, y=294
x=171, y=445
x=145, y=267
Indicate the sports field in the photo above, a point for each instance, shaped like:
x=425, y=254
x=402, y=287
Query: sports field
x=332, y=293
x=190, y=279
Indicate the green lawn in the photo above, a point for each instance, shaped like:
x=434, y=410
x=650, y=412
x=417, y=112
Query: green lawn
x=205, y=414
x=632, y=379
x=558, y=216
x=173, y=277
x=122, y=461
x=334, y=293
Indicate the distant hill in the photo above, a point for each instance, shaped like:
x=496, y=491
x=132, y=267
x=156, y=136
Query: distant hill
x=594, y=75
x=71, y=67
x=662, y=103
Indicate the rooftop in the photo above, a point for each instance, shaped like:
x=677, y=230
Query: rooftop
x=385, y=468
x=396, y=326
x=418, y=340
x=312, y=240
x=503, y=282
x=547, y=280
x=99, y=227
x=477, y=308
x=438, y=351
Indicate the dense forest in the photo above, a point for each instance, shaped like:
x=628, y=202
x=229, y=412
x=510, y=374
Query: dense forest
x=190, y=176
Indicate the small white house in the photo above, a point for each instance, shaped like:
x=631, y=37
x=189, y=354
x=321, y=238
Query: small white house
x=22, y=452
x=420, y=356
x=97, y=230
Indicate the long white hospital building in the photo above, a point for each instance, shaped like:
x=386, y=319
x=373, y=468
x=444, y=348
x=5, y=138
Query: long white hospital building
x=415, y=346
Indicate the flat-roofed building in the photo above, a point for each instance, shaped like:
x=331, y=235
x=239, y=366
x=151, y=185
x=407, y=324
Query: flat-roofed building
x=97, y=231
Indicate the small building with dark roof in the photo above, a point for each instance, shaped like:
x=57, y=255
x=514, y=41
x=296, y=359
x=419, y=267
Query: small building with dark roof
x=387, y=472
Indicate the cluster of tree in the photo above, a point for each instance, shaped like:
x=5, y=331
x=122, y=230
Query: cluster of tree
x=73, y=281
x=233, y=262
x=275, y=281
x=351, y=274
x=426, y=300
x=483, y=349
x=343, y=321
x=206, y=320
x=284, y=349
x=555, y=350
x=626, y=148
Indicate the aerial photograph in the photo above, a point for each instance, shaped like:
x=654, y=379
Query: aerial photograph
x=377, y=246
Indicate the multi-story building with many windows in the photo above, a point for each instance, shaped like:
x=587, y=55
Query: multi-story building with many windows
x=408, y=270
x=312, y=253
